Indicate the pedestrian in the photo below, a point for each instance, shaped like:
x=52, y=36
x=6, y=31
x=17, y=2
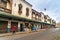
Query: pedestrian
x=14, y=29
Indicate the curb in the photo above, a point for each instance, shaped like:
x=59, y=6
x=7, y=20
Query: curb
x=6, y=34
x=10, y=34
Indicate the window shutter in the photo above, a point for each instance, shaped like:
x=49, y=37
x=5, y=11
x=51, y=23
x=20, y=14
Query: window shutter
x=20, y=8
x=27, y=11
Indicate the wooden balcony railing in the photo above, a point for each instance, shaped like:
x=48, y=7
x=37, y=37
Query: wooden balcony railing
x=45, y=20
x=5, y=10
x=39, y=19
x=33, y=18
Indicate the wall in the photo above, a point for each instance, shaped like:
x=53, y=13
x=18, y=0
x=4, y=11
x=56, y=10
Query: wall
x=25, y=5
x=42, y=18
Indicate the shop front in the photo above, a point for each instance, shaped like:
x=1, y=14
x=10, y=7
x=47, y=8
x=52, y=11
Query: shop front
x=3, y=26
x=21, y=27
x=14, y=24
x=39, y=26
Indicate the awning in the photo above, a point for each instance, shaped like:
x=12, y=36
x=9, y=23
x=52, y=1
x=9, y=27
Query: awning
x=10, y=17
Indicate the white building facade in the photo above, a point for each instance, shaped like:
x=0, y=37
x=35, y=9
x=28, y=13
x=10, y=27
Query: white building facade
x=19, y=14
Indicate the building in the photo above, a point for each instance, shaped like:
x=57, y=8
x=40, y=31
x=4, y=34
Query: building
x=19, y=14
x=54, y=23
x=37, y=17
x=58, y=24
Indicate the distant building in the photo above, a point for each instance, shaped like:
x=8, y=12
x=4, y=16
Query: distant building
x=58, y=24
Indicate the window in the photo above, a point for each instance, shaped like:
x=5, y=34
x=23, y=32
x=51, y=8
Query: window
x=45, y=17
x=3, y=4
x=45, y=20
x=35, y=16
x=27, y=11
x=20, y=8
x=40, y=15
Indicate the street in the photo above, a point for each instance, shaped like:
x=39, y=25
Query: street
x=50, y=34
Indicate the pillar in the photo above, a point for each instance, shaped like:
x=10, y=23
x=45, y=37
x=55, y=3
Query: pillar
x=18, y=26
x=37, y=26
x=9, y=26
x=41, y=26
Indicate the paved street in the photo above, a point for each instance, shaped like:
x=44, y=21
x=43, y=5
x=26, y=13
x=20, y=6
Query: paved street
x=46, y=35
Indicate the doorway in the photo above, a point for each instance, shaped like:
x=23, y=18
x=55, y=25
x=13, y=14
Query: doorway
x=21, y=27
x=14, y=24
x=3, y=26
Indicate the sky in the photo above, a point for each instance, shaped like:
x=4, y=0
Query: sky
x=52, y=7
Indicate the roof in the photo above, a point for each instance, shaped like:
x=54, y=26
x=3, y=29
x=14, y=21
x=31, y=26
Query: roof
x=26, y=2
x=41, y=13
x=36, y=12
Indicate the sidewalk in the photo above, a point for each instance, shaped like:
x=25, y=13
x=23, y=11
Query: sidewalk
x=17, y=33
x=10, y=34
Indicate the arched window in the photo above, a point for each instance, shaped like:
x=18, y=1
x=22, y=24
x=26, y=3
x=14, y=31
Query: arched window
x=20, y=8
x=27, y=11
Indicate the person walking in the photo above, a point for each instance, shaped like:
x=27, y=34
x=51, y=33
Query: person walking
x=14, y=29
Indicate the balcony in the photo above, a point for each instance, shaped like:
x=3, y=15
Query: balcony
x=33, y=18
x=39, y=19
x=45, y=20
x=45, y=17
x=3, y=6
x=5, y=10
